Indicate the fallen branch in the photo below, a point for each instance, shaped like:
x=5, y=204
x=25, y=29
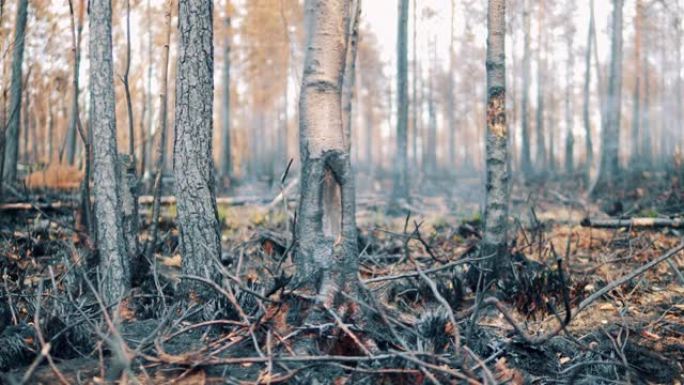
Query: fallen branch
x=635, y=273
x=612, y=223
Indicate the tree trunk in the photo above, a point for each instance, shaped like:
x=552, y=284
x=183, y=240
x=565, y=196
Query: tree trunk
x=610, y=136
x=431, y=151
x=327, y=255
x=679, y=86
x=12, y=135
x=76, y=30
x=350, y=72
x=494, y=241
x=226, y=153
x=192, y=157
x=586, y=116
x=635, y=155
x=163, y=128
x=647, y=145
x=400, y=190
x=569, y=96
x=414, y=93
x=451, y=94
x=525, y=107
x=114, y=265
x=541, y=68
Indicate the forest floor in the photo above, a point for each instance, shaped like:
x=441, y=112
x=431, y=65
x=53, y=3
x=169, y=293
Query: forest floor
x=414, y=265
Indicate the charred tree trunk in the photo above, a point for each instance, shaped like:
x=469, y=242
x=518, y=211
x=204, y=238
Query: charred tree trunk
x=192, y=150
x=431, y=150
x=226, y=151
x=114, y=265
x=14, y=121
x=526, y=161
x=400, y=190
x=586, y=116
x=494, y=241
x=609, y=170
x=327, y=255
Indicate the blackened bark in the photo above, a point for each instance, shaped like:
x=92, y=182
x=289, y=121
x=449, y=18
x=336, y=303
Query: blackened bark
x=494, y=241
x=400, y=190
x=192, y=158
x=114, y=264
x=12, y=135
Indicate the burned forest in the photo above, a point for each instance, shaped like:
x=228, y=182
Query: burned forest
x=342, y=192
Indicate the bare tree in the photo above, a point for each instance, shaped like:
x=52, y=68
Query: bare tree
x=76, y=31
x=400, y=190
x=526, y=161
x=586, y=101
x=192, y=150
x=569, y=92
x=451, y=92
x=497, y=190
x=635, y=148
x=14, y=121
x=114, y=264
x=610, y=136
x=226, y=152
x=327, y=255
x=163, y=125
x=350, y=71
x=541, y=68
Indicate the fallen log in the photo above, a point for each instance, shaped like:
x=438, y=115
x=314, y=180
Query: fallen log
x=612, y=223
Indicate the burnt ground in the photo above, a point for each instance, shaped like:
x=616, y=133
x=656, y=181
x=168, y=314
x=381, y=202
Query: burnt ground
x=52, y=329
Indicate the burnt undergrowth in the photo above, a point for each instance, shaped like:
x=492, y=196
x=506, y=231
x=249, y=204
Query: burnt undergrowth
x=420, y=317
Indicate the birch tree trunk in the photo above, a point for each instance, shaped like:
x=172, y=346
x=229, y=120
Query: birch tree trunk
x=14, y=121
x=192, y=149
x=497, y=190
x=525, y=107
x=610, y=136
x=327, y=255
x=114, y=264
x=400, y=191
